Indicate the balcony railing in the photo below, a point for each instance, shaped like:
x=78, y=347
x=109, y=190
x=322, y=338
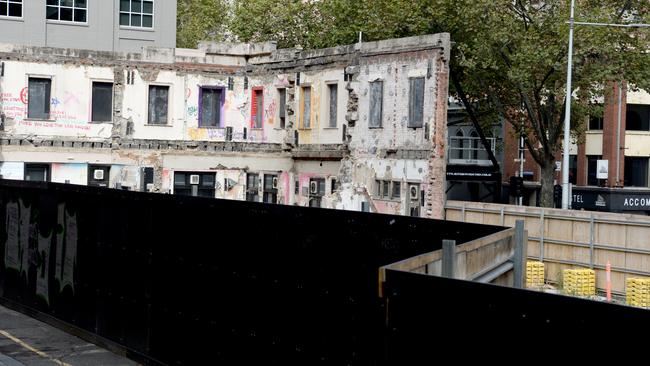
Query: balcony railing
x=469, y=150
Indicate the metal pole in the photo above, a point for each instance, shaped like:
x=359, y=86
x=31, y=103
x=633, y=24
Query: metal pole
x=567, y=117
x=448, y=258
x=618, y=135
x=521, y=165
x=520, y=255
x=591, y=240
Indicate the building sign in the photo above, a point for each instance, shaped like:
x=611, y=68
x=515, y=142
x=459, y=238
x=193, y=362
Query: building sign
x=472, y=173
x=612, y=200
x=602, y=169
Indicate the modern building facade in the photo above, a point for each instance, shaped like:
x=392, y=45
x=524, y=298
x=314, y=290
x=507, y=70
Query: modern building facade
x=616, y=145
x=100, y=25
x=360, y=127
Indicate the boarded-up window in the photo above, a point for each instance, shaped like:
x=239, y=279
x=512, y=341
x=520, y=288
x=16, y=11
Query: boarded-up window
x=257, y=109
x=211, y=102
x=376, y=103
x=282, y=107
x=38, y=98
x=102, y=103
x=416, y=102
x=158, y=104
x=306, y=107
x=333, y=98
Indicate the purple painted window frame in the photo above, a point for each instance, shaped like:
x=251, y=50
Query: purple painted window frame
x=222, y=103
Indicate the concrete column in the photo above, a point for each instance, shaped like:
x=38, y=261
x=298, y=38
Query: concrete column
x=610, y=126
x=437, y=182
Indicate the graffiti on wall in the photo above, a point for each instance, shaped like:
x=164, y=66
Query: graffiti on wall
x=14, y=106
x=270, y=112
x=282, y=81
x=63, y=111
x=28, y=246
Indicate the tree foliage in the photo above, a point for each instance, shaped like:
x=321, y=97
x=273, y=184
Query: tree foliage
x=201, y=20
x=509, y=56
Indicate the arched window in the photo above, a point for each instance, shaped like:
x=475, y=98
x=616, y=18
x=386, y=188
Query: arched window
x=459, y=152
x=476, y=142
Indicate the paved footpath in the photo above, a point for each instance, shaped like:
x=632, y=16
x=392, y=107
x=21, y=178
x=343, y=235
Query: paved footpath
x=28, y=342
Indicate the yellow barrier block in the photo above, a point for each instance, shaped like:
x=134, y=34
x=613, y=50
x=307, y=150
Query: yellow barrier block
x=579, y=282
x=637, y=292
x=534, y=274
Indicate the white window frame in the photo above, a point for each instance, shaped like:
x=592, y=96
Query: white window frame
x=69, y=22
x=135, y=27
x=10, y=17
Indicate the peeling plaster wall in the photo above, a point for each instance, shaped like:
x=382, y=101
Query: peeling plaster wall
x=395, y=152
x=355, y=159
x=319, y=132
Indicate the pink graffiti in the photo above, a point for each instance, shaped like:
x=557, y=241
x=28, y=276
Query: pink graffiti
x=23, y=95
x=69, y=97
x=270, y=110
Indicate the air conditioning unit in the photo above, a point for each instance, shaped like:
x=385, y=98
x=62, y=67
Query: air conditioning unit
x=313, y=187
x=98, y=174
x=414, y=192
x=275, y=182
x=194, y=179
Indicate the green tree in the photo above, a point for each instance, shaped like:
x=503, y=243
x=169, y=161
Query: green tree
x=509, y=58
x=201, y=20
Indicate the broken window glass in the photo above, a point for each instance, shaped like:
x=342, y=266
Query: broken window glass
x=211, y=101
x=158, y=104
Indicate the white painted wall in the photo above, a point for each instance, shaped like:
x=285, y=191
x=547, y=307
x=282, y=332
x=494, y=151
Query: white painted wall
x=12, y=170
x=70, y=105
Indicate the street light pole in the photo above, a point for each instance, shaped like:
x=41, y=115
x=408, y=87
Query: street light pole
x=566, y=199
x=567, y=117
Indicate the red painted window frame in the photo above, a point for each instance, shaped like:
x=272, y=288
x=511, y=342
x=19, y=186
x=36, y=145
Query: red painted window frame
x=254, y=107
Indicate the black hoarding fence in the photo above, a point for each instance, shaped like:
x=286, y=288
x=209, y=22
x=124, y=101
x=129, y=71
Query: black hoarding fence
x=181, y=280
x=426, y=313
